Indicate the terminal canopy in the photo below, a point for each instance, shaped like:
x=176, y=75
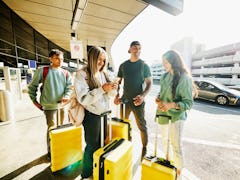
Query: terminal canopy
x=94, y=22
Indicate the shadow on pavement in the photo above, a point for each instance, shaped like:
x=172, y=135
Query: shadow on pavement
x=40, y=160
x=70, y=172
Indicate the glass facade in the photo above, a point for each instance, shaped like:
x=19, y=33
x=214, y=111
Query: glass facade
x=19, y=42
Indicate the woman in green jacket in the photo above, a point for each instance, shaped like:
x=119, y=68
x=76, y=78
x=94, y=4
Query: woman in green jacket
x=174, y=99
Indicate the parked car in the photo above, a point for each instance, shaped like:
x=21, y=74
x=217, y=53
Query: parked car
x=214, y=91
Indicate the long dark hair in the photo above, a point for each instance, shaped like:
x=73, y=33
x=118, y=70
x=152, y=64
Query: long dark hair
x=179, y=68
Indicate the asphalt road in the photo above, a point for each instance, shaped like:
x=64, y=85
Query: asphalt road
x=211, y=139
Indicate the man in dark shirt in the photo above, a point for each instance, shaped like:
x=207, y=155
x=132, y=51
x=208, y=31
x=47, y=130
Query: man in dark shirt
x=135, y=73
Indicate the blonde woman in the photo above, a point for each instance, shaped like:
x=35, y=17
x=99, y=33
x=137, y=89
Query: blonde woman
x=93, y=90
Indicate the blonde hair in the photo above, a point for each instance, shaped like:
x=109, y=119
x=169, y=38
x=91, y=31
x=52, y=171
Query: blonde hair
x=92, y=69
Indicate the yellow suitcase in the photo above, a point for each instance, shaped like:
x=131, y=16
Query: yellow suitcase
x=158, y=168
x=155, y=168
x=121, y=128
x=65, y=146
x=113, y=161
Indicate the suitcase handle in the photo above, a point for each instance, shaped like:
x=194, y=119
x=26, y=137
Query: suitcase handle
x=163, y=115
x=168, y=139
x=105, y=114
x=59, y=106
x=123, y=103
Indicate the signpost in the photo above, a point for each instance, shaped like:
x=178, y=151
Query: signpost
x=76, y=50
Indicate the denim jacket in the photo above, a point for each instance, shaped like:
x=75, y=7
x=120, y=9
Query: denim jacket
x=183, y=96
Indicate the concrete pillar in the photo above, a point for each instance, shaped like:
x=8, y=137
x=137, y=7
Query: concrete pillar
x=6, y=106
x=7, y=78
x=236, y=64
x=234, y=76
x=19, y=82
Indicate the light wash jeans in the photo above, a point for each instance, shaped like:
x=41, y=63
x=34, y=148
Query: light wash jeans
x=175, y=153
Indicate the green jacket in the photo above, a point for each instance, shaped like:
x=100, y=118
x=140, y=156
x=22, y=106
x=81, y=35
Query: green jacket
x=56, y=86
x=184, y=97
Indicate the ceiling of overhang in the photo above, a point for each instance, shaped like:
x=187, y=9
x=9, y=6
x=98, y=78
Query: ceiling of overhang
x=101, y=23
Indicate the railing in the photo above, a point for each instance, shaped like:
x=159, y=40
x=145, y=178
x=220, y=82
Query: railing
x=220, y=70
x=215, y=61
x=226, y=81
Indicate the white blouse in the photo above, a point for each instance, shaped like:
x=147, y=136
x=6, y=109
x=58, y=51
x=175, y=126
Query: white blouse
x=95, y=101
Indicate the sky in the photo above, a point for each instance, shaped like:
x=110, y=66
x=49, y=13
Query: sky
x=213, y=23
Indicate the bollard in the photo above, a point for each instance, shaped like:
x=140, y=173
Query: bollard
x=6, y=106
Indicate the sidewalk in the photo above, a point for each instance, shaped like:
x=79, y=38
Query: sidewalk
x=22, y=140
x=23, y=146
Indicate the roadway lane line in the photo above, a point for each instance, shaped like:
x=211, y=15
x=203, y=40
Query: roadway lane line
x=205, y=142
x=188, y=175
x=212, y=143
x=214, y=107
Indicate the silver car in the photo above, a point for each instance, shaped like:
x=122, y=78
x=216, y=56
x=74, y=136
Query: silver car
x=214, y=91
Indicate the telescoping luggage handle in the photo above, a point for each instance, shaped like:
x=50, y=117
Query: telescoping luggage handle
x=59, y=107
x=168, y=139
x=122, y=108
x=105, y=114
x=59, y=125
x=123, y=103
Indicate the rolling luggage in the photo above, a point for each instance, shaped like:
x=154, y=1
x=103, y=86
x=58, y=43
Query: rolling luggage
x=121, y=128
x=113, y=161
x=65, y=144
x=155, y=168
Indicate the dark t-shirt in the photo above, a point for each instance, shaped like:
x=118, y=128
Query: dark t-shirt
x=133, y=74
